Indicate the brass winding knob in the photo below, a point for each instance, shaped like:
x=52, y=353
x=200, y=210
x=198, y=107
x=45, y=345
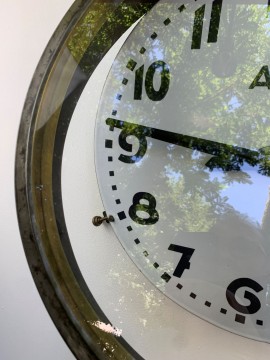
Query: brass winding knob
x=98, y=220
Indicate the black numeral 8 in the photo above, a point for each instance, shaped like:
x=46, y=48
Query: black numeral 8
x=149, y=208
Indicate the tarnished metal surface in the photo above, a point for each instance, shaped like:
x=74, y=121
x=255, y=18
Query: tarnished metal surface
x=52, y=97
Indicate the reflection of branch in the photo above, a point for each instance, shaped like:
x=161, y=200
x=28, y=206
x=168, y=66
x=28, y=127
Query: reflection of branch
x=218, y=92
x=226, y=157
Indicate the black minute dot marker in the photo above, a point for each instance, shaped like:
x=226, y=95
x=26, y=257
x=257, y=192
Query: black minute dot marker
x=129, y=228
x=223, y=311
x=114, y=112
x=131, y=64
x=167, y=22
x=179, y=286
x=125, y=81
x=118, y=96
x=166, y=277
x=137, y=241
x=153, y=36
x=156, y=265
x=145, y=253
x=111, y=173
x=118, y=201
x=259, y=322
x=114, y=187
x=182, y=8
x=240, y=318
x=121, y=215
x=108, y=144
x=207, y=303
x=110, y=159
x=143, y=50
x=192, y=295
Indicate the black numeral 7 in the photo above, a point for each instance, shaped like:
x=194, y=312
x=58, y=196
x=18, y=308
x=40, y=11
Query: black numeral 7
x=184, y=262
x=213, y=27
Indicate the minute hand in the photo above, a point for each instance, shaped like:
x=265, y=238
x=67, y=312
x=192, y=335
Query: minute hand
x=227, y=157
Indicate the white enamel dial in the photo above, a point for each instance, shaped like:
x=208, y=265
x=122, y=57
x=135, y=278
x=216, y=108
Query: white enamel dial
x=181, y=148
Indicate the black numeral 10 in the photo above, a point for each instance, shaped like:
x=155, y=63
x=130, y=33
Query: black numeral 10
x=162, y=69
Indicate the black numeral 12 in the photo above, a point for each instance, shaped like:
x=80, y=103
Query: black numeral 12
x=213, y=27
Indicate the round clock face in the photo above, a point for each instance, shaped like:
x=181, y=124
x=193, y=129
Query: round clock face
x=156, y=114
x=182, y=144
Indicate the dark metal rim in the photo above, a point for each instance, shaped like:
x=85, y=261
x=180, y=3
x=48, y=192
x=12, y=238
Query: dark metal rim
x=38, y=264
x=53, y=304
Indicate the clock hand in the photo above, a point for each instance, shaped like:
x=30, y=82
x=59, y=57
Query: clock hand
x=226, y=157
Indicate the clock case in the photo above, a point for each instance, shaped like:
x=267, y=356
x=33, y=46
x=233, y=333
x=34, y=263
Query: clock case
x=61, y=75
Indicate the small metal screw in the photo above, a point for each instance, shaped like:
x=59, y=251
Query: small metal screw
x=98, y=220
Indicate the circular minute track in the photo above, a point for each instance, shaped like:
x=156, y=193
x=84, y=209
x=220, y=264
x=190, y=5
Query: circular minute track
x=185, y=169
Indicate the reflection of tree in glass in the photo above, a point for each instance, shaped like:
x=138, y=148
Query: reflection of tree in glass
x=217, y=105
x=217, y=109
x=214, y=111
x=84, y=45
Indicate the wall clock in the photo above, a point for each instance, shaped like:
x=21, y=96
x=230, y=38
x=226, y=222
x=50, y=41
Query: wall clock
x=150, y=119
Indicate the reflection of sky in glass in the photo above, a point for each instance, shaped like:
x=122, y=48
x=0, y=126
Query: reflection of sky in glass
x=172, y=175
x=248, y=199
x=234, y=104
x=157, y=51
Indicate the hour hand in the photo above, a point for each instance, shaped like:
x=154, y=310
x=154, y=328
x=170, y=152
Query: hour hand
x=226, y=157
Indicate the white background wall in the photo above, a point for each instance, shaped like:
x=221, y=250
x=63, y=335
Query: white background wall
x=26, y=330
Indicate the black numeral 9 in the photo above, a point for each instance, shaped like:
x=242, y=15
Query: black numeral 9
x=134, y=131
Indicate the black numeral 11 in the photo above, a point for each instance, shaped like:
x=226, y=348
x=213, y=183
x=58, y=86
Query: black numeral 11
x=213, y=27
